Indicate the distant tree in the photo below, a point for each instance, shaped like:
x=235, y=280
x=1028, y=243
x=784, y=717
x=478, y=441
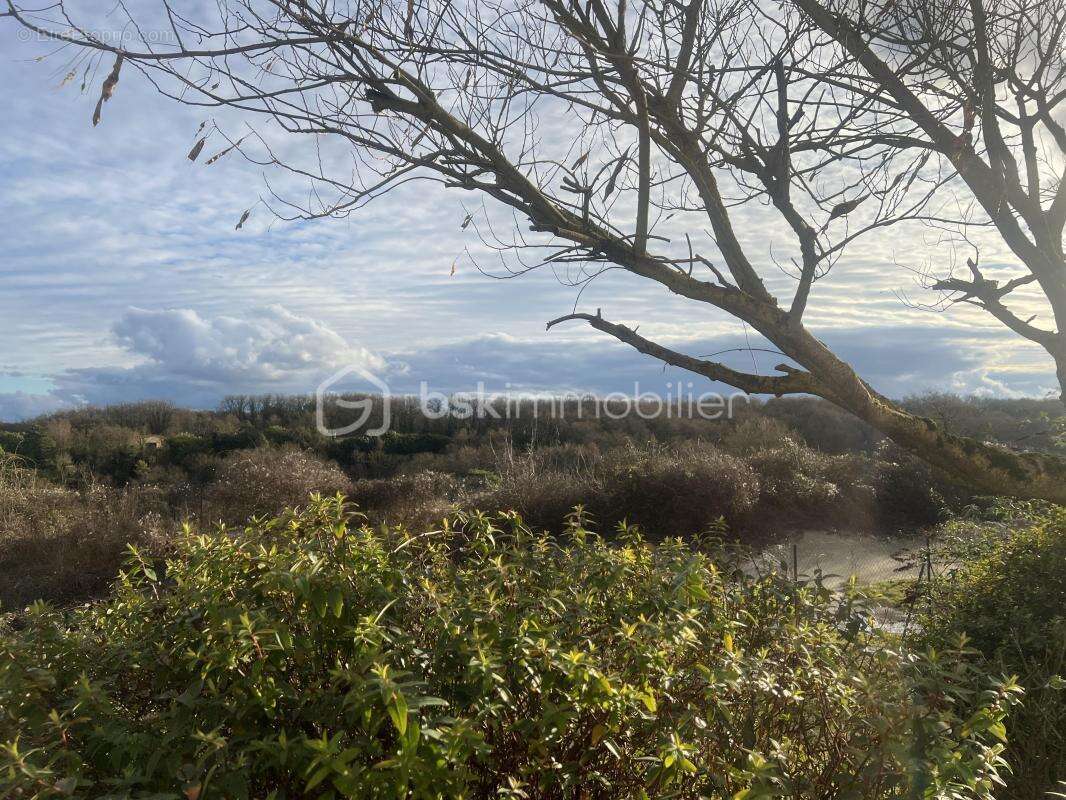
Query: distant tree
x=158, y=416
x=616, y=134
x=40, y=448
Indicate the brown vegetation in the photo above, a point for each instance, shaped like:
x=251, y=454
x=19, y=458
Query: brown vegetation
x=84, y=485
x=65, y=545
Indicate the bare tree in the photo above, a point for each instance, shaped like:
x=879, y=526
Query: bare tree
x=983, y=85
x=619, y=137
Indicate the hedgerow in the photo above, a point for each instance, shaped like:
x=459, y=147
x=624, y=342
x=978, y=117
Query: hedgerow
x=312, y=656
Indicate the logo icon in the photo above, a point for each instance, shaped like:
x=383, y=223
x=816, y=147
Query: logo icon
x=325, y=393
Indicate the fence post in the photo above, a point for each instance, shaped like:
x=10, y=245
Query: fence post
x=929, y=567
x=795, y=562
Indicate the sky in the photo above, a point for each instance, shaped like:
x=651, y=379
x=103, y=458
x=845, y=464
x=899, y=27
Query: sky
x=124, y=279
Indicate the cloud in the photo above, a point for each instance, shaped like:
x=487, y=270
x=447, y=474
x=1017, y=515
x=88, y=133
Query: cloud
x=273, y=346
x=114, y=223
x=897, y=360
x=16, y=406
x=192, y=359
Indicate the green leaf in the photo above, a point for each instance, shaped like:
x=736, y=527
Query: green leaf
x=398, y=712
x=336, y=601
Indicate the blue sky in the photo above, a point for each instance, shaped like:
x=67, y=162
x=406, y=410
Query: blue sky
x=124, y=279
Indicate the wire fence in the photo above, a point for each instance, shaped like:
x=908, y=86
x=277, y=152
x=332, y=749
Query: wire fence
x=838, y=559
x=897, y=573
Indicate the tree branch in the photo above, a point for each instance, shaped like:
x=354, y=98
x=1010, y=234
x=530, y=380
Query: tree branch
x=794, y=381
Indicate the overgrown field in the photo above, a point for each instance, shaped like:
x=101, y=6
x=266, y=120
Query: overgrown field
x=76, y=488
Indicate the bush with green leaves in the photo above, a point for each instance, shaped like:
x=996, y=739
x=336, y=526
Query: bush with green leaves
x=311, y=656
x=1006, y=591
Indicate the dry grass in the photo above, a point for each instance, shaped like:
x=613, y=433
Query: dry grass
x=66, y=545
x=666, y=490
x=267, y=480
x=420, y=498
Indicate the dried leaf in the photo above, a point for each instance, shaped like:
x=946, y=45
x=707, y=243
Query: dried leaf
x=108, y=89
x=614, y=175
x=464, y=226
x=225, y=152
x=580, y=161
x=69, y=77
x=453, y=267
x=917, y=169
x=845, y=208
x=195, y=152
x=244, y=219
x=969, y=116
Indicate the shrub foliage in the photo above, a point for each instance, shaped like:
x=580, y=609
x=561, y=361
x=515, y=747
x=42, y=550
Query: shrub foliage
x=310, y=656
x=1007, y=593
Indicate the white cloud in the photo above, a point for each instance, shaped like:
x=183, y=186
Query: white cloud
x=273, y=346
x=194, y=359
x=23, y=405
x=179, y=355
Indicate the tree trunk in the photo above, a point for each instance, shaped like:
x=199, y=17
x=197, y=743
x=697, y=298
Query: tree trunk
x=984, y=466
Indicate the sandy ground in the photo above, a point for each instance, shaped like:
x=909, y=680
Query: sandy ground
x=839, y=556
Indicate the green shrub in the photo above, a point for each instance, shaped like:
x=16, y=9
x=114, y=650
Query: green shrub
x=11, y=441
x=305, y=657
x=1007, y=593
x=183, y=447
x=911, y=494
x=408, y=444
x=246, y=437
